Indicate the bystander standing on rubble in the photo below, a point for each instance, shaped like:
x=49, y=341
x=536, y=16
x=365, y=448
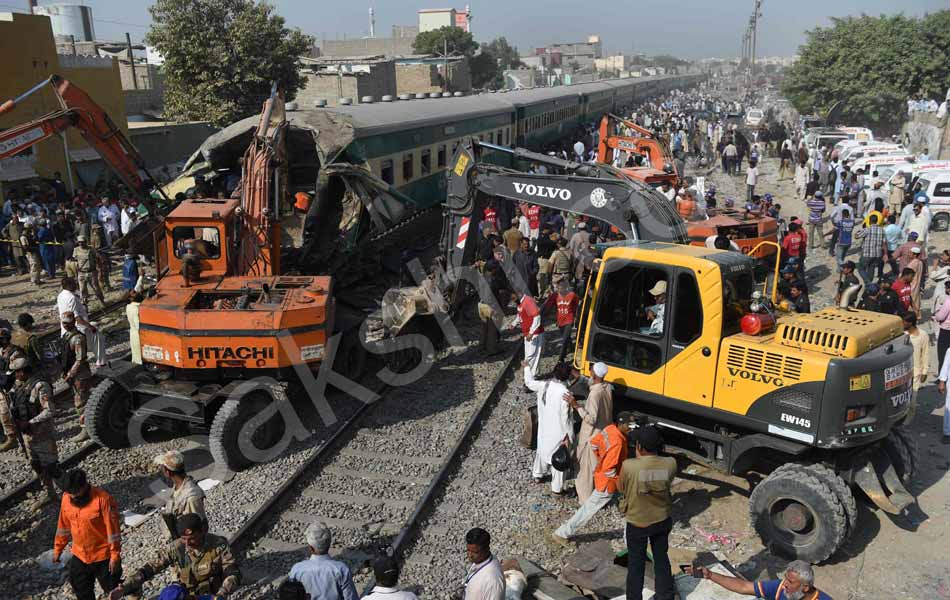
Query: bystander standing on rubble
x=76, y=371
x=386, y=573
x=89, y=519
x=555, y=425
x=485, y=579
x=529, y=319
x=596, y=414
x=646, y=502
x=322, y=576
x=187, y=497
x=798, y=583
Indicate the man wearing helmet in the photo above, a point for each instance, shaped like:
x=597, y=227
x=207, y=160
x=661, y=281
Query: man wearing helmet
x=31, y=414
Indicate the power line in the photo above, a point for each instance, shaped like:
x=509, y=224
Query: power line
x=21, y=10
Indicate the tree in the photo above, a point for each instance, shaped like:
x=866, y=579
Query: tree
x=506, y=55
x=484, y=70
x=873, y=64
x=221, y=57
x=459, y=42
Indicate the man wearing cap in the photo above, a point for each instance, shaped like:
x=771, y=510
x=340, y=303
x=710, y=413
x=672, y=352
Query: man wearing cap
x=609, y=448
x=202, y=563
x=905, y=252
x=87, y=267
x=512, y=236
x=646, y=502
x=871, y=298
x=323, y=577
x=580, y=239
x=187, y=496
x=30, y=412
x=31, y=250
x=386, y=573
x=849, y=286
x=76, y=371
x=596, y=414
x=917, y=220
x=656, y=312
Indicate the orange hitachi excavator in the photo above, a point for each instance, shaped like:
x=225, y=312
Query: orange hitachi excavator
x=653, y=165
x=222, y=313
x=646, y=158
x=80, y=111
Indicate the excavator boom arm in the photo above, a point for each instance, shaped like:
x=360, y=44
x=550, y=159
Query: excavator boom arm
x=644, y=144
x=602, y=193
x=92, y=121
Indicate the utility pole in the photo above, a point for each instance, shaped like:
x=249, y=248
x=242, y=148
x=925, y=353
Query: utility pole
x=755, y=22
x=128, y=43
x=445, y=65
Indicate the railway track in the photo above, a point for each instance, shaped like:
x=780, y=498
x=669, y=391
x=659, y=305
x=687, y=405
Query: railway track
x=376, y=478
x=60, y=398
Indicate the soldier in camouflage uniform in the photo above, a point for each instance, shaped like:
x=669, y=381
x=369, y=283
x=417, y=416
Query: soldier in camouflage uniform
x=31, y=414
x=76, y=371
x=25, y=338
x=103, y=265
x=7, y=353
x=202, y=562
x=87, y=267
x=31, y=249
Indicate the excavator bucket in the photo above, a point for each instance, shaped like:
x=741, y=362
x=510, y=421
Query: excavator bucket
x=879, y=480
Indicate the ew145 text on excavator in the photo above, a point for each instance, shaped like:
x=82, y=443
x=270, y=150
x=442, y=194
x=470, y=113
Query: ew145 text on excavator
x=812, y=403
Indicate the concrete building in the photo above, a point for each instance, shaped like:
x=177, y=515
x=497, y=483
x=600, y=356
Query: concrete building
x=436, y=18
x=618, y=63
x=330, y=79
x=391, y=46
x=590, y=49
x=424, y=75
x=26, y=43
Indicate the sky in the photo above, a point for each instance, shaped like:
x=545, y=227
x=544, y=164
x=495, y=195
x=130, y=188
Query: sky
x=685, y=28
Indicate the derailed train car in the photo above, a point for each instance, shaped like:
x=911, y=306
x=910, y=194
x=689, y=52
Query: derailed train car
x=377, y=169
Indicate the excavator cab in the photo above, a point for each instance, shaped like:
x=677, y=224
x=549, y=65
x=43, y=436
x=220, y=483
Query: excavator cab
x=199, y=232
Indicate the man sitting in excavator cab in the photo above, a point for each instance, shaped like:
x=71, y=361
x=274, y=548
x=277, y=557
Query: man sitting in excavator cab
x=656, y=311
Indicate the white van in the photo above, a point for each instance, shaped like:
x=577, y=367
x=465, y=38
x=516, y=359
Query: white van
x=882, y=163
x=871, y=149
x=862, y=134
x=755, y=117
x=936, y=184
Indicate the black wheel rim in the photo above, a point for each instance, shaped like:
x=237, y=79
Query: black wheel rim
x=793, y=523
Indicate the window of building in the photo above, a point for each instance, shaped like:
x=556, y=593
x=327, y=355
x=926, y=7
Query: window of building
x=440, y=157
x=408, y=169
x=425, y=162
x=386, y=172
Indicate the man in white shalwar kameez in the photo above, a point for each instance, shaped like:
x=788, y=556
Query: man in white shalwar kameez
x=596, y=414
x=555, y=426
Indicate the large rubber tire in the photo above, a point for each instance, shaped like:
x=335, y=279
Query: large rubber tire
x=838, y=485
x=902, y=449
x=785, y=493
x=226, y=430
x=108, y=413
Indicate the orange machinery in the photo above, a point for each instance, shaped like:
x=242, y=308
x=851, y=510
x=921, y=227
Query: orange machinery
x=77, y=110
x=659, y=165
x=746, y=231
x=223, y=323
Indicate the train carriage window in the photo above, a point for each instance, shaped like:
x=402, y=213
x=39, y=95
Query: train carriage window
x=386, y=172
x=942, y=190
x=408, y=168
x=491, y=137
x=498, y=137
x=440, y=157
x=425, y=162
x=507, y=136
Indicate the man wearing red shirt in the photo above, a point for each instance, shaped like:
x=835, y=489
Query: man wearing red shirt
x=490, y=217
x=529, y=318
x=793, y=245
x=566, y=302
x=904, y=290
x=533, y=212
x=610, y=448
